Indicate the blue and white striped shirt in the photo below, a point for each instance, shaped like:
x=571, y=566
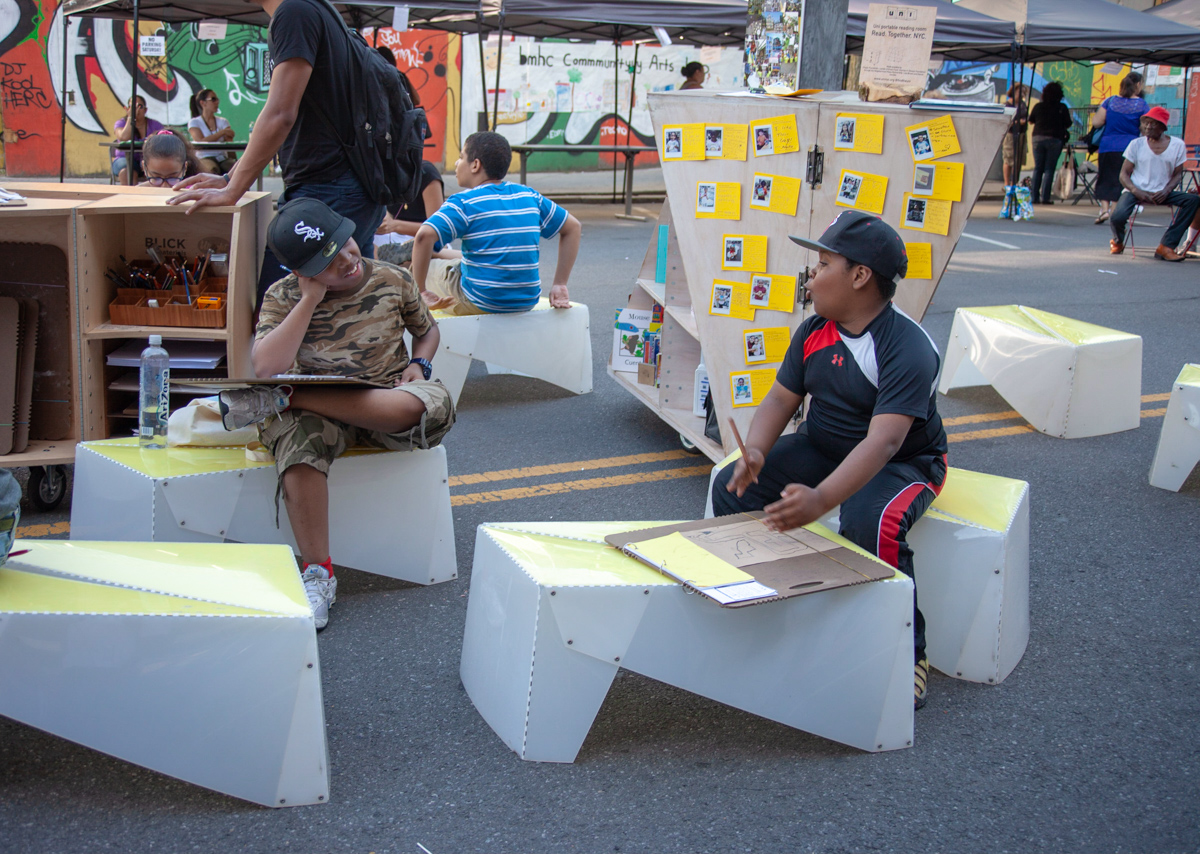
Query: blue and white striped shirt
x=500, y=226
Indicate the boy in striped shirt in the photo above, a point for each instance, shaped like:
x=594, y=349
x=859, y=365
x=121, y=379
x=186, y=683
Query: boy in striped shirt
x=500, y=224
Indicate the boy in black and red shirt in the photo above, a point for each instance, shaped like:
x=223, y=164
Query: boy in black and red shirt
x=872, y=441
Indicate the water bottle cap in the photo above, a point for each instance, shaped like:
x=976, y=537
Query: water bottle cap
x=155, y=340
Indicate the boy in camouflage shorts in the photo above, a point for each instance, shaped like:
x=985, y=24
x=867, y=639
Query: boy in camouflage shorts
x=335, y=315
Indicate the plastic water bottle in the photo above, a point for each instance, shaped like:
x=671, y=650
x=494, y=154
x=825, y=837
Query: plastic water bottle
x=154, y=388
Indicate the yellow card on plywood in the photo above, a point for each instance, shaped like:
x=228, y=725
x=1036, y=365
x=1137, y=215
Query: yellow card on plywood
x=761, y=346
x=730, y=299
x=933, y=139
x=938, y=181
x=775, y=193
x=718, y=200
x=776, y=135
x=744, y=252
x=748, y=388
x=861, y=132
x=920, y=260
x=862, y=191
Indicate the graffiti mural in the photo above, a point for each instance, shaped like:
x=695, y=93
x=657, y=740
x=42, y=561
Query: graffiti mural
x=424, y=57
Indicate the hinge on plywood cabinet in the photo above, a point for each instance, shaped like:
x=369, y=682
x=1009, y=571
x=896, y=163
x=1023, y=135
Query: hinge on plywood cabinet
x=815, y=170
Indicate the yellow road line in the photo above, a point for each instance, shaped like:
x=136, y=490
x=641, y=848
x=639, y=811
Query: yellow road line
x=1147, y=398
x=579, y=485
x=983, y=416
x=1154, y=413
x=34, y=531
x=993, y=433
x=567, y=468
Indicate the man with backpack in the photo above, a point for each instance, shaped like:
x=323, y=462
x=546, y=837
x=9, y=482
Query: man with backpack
x=331, y=102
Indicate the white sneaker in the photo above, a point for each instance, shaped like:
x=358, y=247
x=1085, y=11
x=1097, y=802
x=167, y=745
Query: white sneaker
x=321, y=589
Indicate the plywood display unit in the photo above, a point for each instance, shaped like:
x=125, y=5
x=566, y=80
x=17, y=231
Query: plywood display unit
x=696, y=247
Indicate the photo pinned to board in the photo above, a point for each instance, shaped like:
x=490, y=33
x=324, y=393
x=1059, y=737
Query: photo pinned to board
x=760, y=291
x=722, y=299
x=914, y=213
x=923, y=179
x=764, y=140
x=756, y=347
x=760, y=195
x=714, y=141
x=733, y=252
x=743, y=393
x=706, y=198
x=844, y=134
x=920, y=143
x=848, y=191
x=672, y=143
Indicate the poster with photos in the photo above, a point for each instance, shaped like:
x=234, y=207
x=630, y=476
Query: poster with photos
x=774, y=34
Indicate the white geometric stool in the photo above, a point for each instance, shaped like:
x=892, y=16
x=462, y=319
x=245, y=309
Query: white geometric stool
x=554, y=612
x=550, y=344
x=971, y=554
x=389, y=511
x=197, y=661
x=1067, y=378
x=1179, y=442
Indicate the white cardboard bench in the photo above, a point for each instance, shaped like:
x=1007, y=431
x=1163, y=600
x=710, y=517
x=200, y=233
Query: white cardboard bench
x=1067, y=378
x=971, y=552
x=389, y=511
x=199, y=662
x=550, y=344
x=1178, y=449
x=554, y=612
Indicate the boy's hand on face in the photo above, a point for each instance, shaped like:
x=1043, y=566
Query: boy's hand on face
x=311, y=289
x=799, y=505
x=559, y=297
x=745, y=471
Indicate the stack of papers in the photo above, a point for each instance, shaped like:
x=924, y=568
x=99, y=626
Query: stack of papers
x=185, y=354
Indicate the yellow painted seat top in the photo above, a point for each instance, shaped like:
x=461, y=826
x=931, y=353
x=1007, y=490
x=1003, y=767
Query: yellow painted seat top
x=574, y=554
x=1190, y=375
x=543, y=304
x=1049, y=325
x=213, y=579
x=180, y=461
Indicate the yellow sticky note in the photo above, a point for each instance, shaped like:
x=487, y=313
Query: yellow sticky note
x=861, y=190
x=938, y=181
x=766, y=345
x=718, y=200
x=750, y=387
x=682, y=142
x=725, y=142
x=775, y=193
x=774, y=293
x=731, y=299
x=744, y=252
x=920, y=260
x=933, y=139
x=680, y=558
x=858, y=132
x=776, y=135
x=921, y=214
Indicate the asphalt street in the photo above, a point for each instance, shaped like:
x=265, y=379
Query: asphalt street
x=1090, y=744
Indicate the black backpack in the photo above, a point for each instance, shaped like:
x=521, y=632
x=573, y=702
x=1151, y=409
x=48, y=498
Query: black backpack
x=388, y=144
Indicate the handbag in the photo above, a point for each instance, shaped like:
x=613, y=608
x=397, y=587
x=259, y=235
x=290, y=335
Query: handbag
x=199, y=424
x=1064, y=181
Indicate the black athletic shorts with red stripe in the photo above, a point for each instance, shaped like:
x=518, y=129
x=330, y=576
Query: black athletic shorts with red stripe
x=877, y=517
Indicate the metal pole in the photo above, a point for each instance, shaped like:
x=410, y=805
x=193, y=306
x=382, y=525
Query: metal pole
x=482, y=73
x=616, y=113
x=499, y=57
x=62, y=141
x=129, y=162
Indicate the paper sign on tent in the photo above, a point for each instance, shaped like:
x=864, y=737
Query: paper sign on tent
x=920, y=260
x=775, y=193
x=862, y=191
x=774, y=293
x=731, y=299
x=750, y=387
x=725, y=142
x=682, y=142
x=718, y=200
x=933, y=139
x=762, y=346
x=931, y=215
x=776, y=135
x=938, y=181
x=744, y=252
x=861, y=132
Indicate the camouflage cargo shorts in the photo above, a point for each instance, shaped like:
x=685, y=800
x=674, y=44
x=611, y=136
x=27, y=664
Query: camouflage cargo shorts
x=299, y=436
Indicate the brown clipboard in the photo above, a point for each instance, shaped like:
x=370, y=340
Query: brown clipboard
x=218, y=383
x=827, y=567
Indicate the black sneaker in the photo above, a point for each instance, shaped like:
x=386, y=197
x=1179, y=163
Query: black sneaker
x=920, y=683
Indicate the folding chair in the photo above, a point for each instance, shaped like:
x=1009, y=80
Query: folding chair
x=1129, y=231
x=1089, y=184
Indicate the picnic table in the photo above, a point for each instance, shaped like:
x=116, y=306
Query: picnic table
x=629, y=152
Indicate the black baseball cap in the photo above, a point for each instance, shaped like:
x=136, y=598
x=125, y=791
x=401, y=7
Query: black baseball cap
x=863, y=239
x=306, y=235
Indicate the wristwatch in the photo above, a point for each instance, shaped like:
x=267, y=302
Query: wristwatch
x=426, y=366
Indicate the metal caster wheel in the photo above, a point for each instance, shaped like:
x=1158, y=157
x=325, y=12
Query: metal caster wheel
x=688, y=445
x=47, y=486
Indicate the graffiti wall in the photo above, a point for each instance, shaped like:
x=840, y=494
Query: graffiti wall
x=98, y=77
x=579, y=93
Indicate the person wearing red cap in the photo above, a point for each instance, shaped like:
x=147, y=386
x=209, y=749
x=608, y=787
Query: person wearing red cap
x=1153, y=169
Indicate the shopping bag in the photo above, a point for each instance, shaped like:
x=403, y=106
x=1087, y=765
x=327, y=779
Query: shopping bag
x=199, y=423
x=1022, y=203
x=1064, y=181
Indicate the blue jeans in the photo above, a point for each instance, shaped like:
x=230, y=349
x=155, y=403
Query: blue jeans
x=1045, y=159
x=346, y=196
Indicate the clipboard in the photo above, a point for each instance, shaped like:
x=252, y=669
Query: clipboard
x=222, y=383
x=736, y=561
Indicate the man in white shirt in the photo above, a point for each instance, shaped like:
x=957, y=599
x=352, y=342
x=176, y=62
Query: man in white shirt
x=1152, y=170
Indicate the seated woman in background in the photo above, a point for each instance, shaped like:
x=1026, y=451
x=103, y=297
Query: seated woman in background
x=393, y=238
x=135, y=125
x=168, y=159
x=207, y=126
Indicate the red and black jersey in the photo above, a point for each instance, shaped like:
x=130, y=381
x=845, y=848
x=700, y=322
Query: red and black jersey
x=890, y=368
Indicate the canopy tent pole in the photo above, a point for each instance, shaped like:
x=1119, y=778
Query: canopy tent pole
x=62, y=139
x=632, y=89
x=482, y=72
x=129, y=163
x=616, y=113
x=496, y=94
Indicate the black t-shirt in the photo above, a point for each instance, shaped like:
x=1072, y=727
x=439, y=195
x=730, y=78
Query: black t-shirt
x=306, y=29
x=416, y=212
x=889, y=369
x=1051, y=120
